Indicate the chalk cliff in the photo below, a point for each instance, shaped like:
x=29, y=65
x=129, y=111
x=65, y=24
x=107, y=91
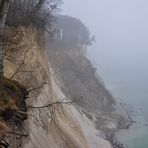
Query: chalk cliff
x=55, y=72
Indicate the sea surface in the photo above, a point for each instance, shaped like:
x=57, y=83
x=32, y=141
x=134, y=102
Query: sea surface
x=132, y=89
x=128, y=84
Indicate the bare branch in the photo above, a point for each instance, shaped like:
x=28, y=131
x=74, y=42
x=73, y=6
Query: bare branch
x=20, y=66
x=9, y=44
x=37, y=7
x=53, y=8
x=14, y=133
x=31, y=115
x=50, y=104
x=36, y=88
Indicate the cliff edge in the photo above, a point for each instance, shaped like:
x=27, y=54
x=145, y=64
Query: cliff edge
x=57, y=126
x=67, y=106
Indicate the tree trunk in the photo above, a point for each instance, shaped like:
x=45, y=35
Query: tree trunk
x=4, y=5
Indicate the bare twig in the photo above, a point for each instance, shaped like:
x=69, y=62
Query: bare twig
x=14, y=133
x=31, y=115
x=36, y=88
x=37, y=7
x=52, y=9
x=9, y=43
x=50, y=104
x=20, y=66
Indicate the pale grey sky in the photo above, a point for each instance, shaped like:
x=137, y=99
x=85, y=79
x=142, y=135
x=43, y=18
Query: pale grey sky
x=121, y=29
x=121, y=49
x=120, y=26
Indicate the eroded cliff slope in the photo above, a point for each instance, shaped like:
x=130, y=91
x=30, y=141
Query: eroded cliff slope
x=59, y=125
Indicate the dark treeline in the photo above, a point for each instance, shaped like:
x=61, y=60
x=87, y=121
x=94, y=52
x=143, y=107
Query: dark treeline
x=37, y=12
x=71, y=30
x=25, y=12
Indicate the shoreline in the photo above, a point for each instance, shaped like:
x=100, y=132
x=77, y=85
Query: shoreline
x=111, y=137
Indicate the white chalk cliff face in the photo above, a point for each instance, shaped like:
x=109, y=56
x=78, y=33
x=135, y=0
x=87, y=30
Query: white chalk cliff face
x=60, y=125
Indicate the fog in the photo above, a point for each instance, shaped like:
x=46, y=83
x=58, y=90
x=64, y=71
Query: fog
x=121, y=29
x=121, y=48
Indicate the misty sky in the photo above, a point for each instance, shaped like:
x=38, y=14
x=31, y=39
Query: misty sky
x=121, y=28
x=121, y=49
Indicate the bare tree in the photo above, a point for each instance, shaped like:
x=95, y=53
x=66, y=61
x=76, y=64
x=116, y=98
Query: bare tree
x=4, y=5
x=38, y=12
x=37, y=7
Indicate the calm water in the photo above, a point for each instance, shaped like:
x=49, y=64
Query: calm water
x=127, y=80
x=132, y=89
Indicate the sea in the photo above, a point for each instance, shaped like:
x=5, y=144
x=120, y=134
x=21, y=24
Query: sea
x=131, y=87
x=128, y=84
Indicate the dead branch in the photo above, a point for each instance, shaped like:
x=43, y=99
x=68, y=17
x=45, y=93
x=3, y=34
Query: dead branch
x=20, y=66
x=50, y=104
x=31, y=115
x=37, y=7
x=3, y=143
x=9, y=44
x=36, y=88
x=53, y=8
x=52, y=109
x=19, y=134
